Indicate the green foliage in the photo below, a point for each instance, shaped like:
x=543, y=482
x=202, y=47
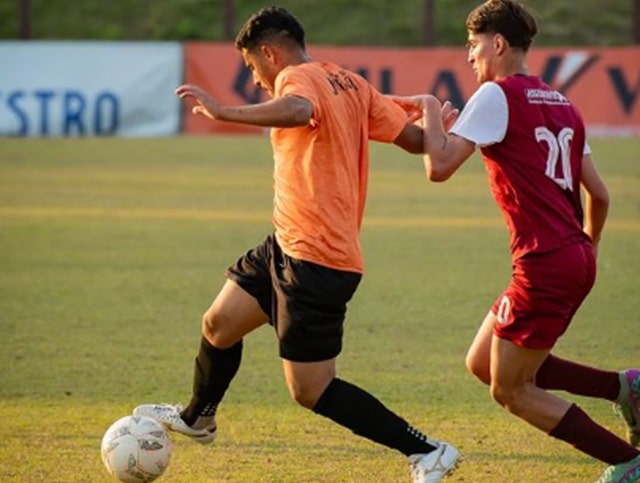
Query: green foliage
x=110, y=250
x=340, y=22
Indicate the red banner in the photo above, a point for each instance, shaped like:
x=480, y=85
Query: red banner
x=604, y=83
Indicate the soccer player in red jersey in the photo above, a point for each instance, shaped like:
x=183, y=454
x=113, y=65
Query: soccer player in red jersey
x=532, y=141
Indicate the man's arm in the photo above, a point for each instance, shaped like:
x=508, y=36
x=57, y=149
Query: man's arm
x=596, y=200
x=444, y=153
x=287, y=111
x=411, y=139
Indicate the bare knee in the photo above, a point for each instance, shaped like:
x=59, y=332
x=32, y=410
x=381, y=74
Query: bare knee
x=305, y=398
x=479, y=368
x=307, y=385
x=213, y=329
x=307, y=392
x=509, y=398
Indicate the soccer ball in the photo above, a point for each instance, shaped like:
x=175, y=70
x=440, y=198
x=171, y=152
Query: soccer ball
x=136, y=449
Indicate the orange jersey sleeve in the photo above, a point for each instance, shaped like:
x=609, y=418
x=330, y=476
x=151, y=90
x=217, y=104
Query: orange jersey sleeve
x=321, y=170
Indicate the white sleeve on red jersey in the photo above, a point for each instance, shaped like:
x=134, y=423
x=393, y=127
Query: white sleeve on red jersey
x=483, y=121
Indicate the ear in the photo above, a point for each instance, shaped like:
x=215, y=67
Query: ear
x=500, y=44
x=268, y=52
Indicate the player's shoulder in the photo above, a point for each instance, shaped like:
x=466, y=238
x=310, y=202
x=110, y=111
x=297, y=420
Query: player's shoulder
x=306, y=75
x=488, y=93
x=325, y=70
x=489, y=88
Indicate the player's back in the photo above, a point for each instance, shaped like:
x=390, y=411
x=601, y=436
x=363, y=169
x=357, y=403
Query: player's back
x=321, y=169
x=535, y=171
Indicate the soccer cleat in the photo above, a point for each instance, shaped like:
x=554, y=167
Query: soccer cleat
x=433, y=467
x=628, y=404
x=203, y=431
x=628, y=472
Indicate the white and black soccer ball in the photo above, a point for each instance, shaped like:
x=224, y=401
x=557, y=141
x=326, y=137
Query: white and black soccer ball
x=136, y=449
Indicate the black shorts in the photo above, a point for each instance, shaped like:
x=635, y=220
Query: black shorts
x=306, y=302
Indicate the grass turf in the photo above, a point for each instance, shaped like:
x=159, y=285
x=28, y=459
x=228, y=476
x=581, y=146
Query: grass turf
x=110, y=250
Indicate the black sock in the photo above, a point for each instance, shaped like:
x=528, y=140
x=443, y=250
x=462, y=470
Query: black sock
x=356, y=409
x=214, y=370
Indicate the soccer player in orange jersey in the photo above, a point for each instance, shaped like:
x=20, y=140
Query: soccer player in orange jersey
x=302, y=276
x=532, y=141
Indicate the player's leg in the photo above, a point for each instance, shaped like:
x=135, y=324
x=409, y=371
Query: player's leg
x=532, y=313
x=240, y=307
x=233, y=314
x=622, y=388
x=315, y=386
x=555, y=373
x=561, y=374
x=310, y=309
x=512, y=370
x=307, y=381
x=478, y=358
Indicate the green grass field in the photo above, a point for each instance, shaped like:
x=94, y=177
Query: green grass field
x=111, y=249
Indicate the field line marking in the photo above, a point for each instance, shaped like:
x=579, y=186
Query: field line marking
x=132, y=213
x=263, y=216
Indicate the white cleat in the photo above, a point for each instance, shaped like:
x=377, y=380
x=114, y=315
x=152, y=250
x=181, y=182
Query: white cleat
x=433, y=467
x=203, y=431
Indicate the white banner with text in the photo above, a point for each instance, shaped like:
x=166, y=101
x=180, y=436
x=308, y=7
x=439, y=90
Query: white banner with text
x=50, y=89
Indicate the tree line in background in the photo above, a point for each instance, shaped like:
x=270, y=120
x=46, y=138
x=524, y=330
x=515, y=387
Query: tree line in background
x=337, y=22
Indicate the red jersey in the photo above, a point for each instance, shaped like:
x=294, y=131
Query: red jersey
x=534, y=171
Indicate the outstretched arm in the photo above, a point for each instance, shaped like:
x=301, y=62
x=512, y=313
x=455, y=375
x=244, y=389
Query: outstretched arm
x=287, y=111
x=443, y=152
x=410, y=139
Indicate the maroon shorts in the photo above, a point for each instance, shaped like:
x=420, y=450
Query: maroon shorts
x=545, y=292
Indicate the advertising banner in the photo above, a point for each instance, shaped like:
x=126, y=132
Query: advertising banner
x=604, y=83
x=89, y=88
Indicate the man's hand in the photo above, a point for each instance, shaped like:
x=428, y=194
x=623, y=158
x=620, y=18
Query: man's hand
x=205, y=104
x=449, y=115
x=414, y=106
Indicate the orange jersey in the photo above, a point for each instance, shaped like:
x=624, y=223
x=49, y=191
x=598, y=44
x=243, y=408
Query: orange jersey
x=321, y=169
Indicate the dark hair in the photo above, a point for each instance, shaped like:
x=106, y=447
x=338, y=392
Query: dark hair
x=509, y=18
x=269, y=23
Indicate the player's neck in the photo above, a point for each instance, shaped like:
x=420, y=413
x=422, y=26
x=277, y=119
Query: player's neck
x=516, y=65
x=297, y=57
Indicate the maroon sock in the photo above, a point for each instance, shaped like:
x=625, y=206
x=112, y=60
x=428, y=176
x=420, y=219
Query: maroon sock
x=556, y=373
x=579, y=430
